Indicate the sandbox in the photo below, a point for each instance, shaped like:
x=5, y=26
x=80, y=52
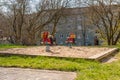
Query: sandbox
x=94, y=53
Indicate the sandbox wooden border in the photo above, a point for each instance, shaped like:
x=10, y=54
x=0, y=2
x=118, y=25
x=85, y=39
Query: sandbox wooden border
x=105, y=54
x=97, y=57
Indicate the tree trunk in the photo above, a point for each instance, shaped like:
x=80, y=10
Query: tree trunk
x=117, y=38
x=109, y=41
x=84, y=39
x=32, y=39
x=54, y=29
x=18, y=40
x=29, y=39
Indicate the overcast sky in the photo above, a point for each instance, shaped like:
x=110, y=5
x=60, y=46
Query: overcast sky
x=73, y=3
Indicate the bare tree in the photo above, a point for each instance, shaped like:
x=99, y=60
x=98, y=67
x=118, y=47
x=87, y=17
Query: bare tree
x=106, y=17
x=59, y=14
x=25, y=23
x=48, y=11
x=16, y=10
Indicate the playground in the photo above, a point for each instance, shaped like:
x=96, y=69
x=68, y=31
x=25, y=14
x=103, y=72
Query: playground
x=58, y=51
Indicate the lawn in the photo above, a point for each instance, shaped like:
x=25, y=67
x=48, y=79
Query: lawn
x=86, y=70
x=6, y=46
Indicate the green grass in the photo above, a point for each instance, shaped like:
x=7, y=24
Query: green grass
x=44, y=62
x=7, y=46
x=10, y=46
x=86, y=69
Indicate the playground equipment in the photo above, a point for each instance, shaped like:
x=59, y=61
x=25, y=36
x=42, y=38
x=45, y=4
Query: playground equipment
x=46, y=40
x=71, y=40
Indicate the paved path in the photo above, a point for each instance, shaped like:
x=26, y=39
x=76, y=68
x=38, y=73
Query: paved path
x=34, y=74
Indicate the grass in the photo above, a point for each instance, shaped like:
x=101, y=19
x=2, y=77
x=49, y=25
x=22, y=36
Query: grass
x=62, y=64
x=86, y=70
x=10, y=46
x=7, y=46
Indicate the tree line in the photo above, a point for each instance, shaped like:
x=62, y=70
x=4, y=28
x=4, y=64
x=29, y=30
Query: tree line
x=23, y=23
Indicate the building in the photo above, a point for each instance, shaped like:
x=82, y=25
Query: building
x=75, y=21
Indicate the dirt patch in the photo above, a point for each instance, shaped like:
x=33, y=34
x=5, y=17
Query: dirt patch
x=59, y=51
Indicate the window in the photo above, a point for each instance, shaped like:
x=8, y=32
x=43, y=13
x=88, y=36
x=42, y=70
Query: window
x=61, y=35
x=87, y=37
x=67, y=35
x=79, y=37
x=68, y=26
x=79, y=27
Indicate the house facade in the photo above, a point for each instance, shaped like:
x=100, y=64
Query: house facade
x=75, y=21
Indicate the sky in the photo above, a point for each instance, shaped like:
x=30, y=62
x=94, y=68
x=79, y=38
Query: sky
x=33, y=2
x=73, y=3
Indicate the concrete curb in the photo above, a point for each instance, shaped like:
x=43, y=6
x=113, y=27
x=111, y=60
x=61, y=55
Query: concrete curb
x=102, y=55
